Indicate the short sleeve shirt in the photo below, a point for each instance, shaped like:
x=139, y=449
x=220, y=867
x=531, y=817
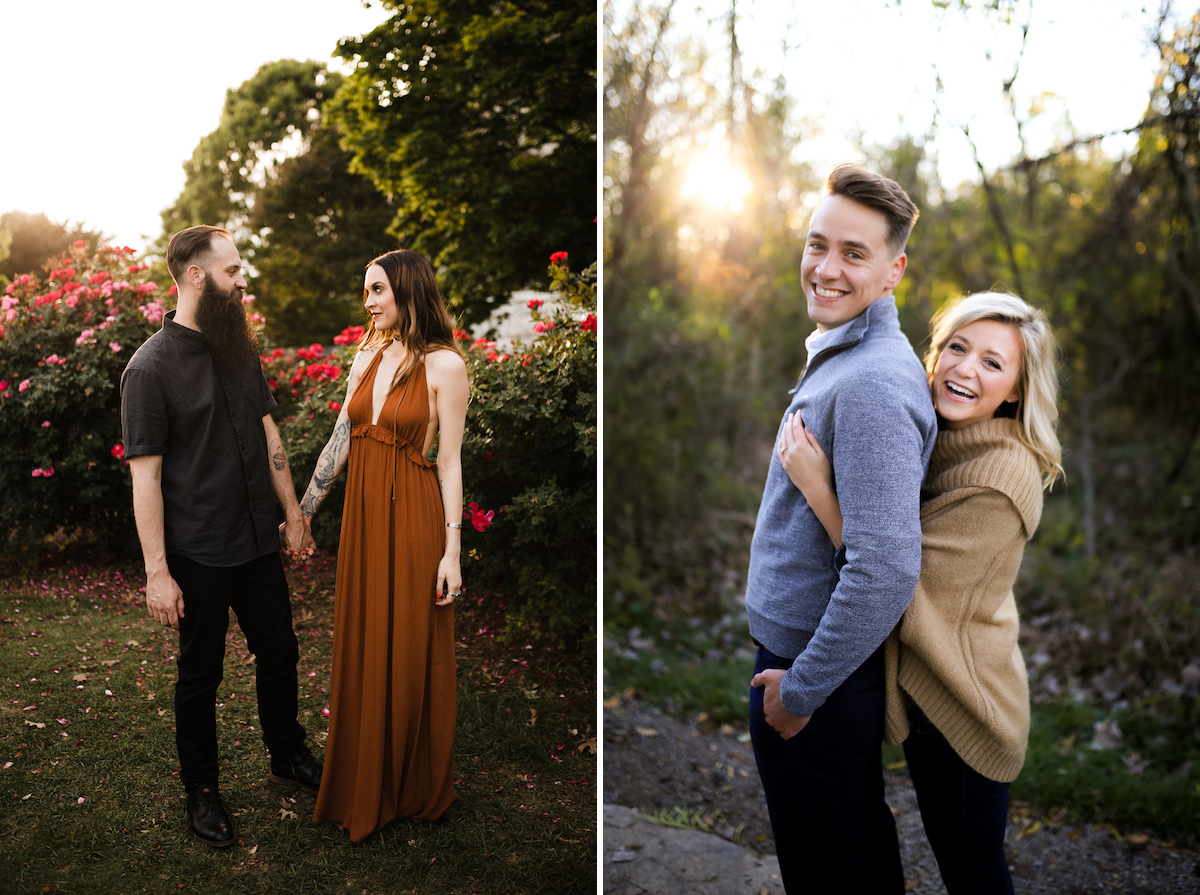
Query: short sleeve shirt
x=218, y=500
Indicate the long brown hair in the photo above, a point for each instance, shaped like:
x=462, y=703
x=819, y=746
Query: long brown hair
x=424, y=325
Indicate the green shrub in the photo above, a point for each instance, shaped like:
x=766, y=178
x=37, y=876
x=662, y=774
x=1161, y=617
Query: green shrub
x=529, y=454
x=64, y=341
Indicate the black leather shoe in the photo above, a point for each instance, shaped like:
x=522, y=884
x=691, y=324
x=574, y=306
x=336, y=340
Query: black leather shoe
x=206, y=817
x=299, y=770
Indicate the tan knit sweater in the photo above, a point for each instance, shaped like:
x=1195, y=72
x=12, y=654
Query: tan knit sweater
x=955, y=652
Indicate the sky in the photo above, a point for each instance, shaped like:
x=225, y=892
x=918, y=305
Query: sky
x=104, y=102
x=872, y=67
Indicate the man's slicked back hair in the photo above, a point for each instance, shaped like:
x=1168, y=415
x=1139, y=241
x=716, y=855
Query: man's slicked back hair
x=879, y=193
x=192, y=246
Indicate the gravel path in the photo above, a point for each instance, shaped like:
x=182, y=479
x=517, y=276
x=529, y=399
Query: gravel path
x=665, y=767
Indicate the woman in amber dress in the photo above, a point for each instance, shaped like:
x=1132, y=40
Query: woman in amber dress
x=391, y=730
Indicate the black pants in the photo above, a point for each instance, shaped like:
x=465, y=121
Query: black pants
x=964, y=813
x=833, y=830
x=257, y=591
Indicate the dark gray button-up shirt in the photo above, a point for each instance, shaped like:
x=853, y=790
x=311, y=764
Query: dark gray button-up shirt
x=218, y=501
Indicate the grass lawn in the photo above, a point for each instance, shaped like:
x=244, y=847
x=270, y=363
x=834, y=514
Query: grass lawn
x=90, y=800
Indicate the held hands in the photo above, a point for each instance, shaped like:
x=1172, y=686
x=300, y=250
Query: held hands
x=449, y=581
x=296, y=541
x=803, y=460
x=164, y=600
x=777, y=716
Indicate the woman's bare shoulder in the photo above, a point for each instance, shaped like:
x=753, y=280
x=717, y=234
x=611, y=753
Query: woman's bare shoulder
x=361, y=360
x=444, y=360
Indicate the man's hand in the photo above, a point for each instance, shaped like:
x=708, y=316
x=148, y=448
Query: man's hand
x=777, y=716
x=164, y=600
x=297, y=540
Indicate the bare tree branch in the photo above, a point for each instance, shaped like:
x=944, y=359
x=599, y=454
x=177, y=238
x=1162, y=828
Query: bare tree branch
x=997, y=214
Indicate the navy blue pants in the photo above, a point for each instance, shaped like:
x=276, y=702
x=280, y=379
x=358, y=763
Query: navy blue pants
x=964, y=813
x=257, y=592
x=833, y=830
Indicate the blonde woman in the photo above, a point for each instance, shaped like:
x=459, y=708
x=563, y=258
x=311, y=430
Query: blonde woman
x=391, y=729
x=958, y=697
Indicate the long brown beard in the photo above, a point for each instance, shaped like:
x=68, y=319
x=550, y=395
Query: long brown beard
x=222, y=319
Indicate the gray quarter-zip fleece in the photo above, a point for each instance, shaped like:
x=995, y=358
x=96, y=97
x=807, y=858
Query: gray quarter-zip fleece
x=866, y=399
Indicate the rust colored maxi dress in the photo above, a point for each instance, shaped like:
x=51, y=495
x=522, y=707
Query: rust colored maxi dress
x=391, y=728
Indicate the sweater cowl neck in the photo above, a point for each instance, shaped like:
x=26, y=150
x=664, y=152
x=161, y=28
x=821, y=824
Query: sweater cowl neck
x=988, y=454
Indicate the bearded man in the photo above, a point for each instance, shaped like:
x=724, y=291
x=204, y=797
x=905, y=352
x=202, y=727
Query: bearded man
x=207, y=463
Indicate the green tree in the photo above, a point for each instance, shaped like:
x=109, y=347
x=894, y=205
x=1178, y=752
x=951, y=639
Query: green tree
x=281, y=103
x=319, y=226
x=481, y=126
x=274, y=175
x=705, y=314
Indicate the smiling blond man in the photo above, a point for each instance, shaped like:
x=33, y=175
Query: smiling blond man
x=817, y=697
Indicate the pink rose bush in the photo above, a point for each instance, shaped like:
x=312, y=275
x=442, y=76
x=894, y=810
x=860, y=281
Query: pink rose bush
x=66, y=334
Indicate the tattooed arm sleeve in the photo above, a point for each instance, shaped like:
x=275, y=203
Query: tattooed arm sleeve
x=335, y=453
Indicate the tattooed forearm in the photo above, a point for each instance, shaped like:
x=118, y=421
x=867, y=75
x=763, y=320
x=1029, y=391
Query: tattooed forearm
x=329, y=465
x=278, y=459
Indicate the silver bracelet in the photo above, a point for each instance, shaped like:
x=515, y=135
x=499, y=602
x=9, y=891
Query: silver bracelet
x=454, y=525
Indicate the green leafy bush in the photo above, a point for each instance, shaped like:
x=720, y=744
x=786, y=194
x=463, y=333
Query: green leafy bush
x=530, y=453
x=64, y=340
